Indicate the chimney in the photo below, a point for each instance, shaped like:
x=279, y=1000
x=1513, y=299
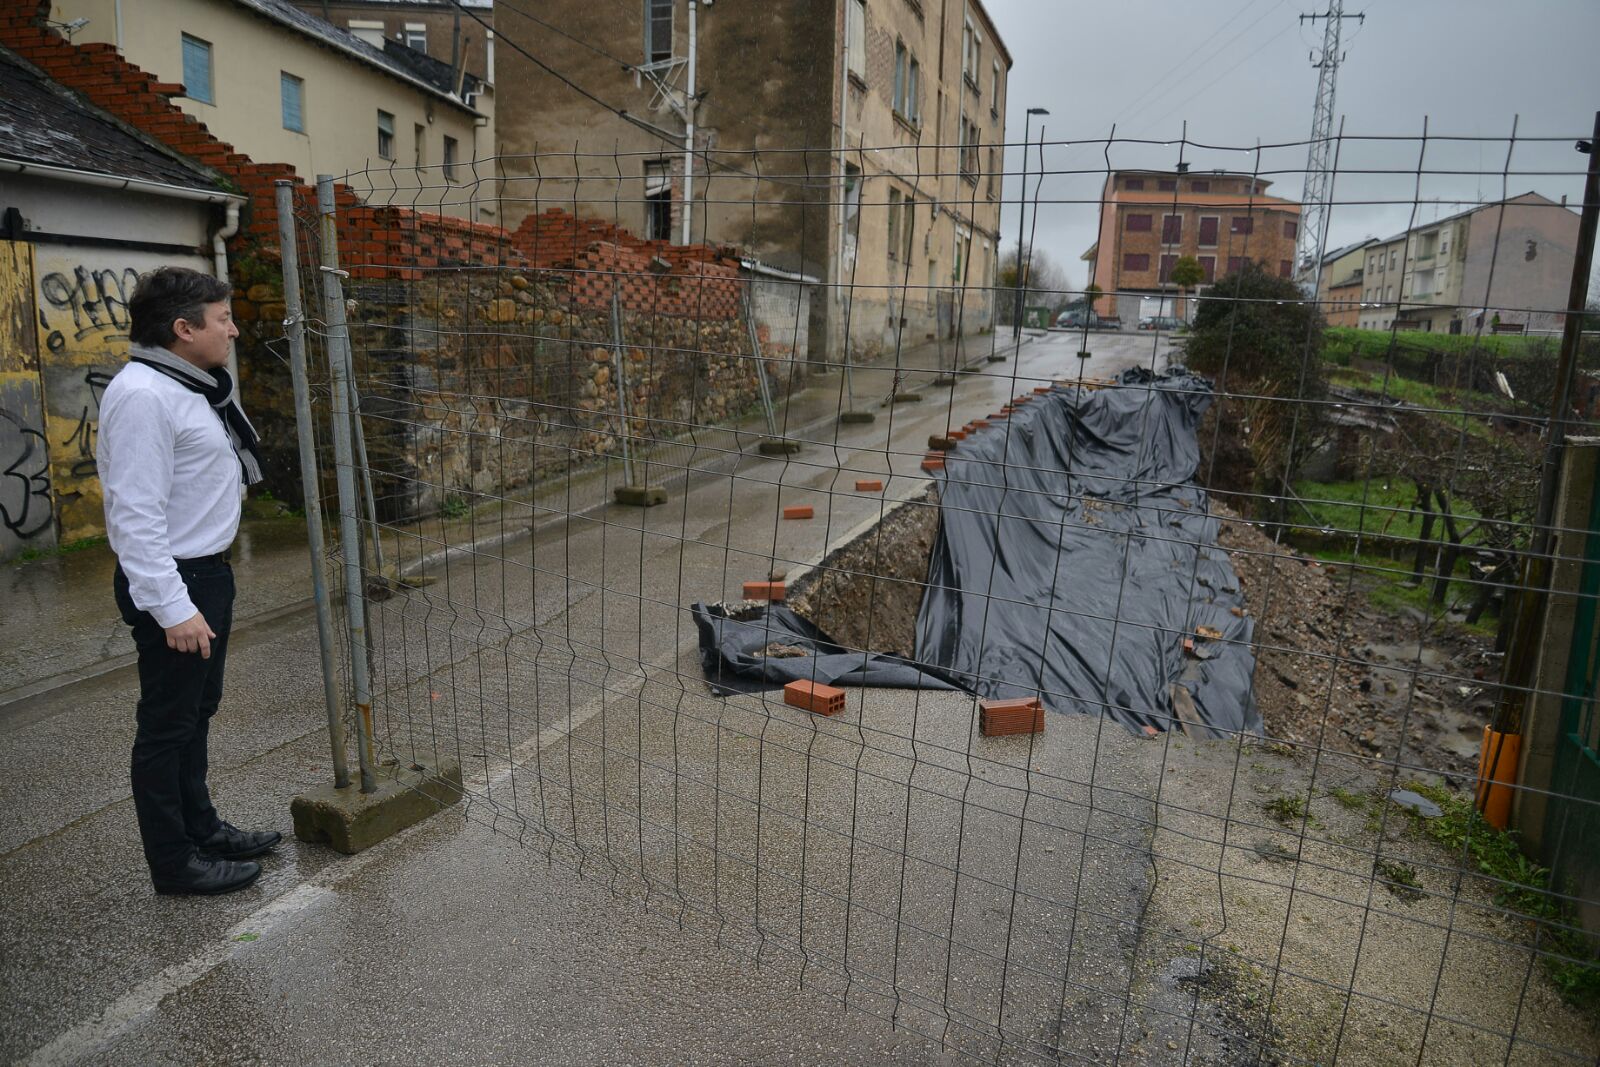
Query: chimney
x=1563, y=199
x=1183, y=168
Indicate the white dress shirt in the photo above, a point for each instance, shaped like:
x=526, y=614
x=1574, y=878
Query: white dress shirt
x=171, y=483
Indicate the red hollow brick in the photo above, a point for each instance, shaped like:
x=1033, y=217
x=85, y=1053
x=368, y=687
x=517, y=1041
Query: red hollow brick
x=869, y=485
x=798, y=511
x=763, y=590
x=812, y=696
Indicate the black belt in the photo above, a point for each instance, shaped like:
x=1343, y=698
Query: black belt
x=220, y=557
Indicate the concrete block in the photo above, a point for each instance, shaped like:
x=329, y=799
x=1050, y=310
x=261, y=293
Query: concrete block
x=858, y=416
x=640, y=496
x=348, y=820
x=941, y=443
x=1024, y=715
x=996, y=357
x=944, y=380
x=778, y=446
x=907, y=398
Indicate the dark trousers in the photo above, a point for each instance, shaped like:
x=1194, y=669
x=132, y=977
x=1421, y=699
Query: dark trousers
x=178, y=694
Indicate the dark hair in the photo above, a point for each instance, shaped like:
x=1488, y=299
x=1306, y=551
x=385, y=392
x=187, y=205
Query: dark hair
x=167, y=294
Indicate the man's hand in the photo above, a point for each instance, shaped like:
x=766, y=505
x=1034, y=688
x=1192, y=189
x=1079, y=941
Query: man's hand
x=191, y=635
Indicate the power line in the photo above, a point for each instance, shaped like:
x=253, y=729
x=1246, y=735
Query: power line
x=1198, y=92
x=1196, y=55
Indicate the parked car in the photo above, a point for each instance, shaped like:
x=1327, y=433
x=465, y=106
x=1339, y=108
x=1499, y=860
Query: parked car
x=1077, y=320
x=1162, y=322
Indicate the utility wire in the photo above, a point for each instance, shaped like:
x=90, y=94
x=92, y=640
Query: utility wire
x=1197, y=54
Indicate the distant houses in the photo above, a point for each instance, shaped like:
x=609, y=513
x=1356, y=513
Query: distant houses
x=1500, y=267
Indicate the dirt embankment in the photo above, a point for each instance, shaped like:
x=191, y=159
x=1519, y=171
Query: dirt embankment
x=1334, y=671
x=866, y=594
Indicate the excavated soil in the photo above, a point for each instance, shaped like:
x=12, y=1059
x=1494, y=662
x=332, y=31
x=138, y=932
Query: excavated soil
x=1335, y=672
x=866, y=594
x=1331, y=671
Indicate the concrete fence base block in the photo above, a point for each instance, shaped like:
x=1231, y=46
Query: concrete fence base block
x=640, y=496
x=943, y=380
x=906, y=398
x=348, y=820
x=858, y=416
x=997, y=358
x=778, y=446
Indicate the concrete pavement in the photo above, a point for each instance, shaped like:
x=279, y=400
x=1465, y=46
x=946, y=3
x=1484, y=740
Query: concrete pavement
x=526, y=655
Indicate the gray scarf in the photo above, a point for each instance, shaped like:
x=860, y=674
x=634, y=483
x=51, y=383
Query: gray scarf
x=217, y=387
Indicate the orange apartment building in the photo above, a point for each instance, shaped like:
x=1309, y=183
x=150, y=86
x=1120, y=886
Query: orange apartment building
x=1150, y=218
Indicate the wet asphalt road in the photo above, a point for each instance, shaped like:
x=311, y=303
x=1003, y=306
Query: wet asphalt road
x=597, y=899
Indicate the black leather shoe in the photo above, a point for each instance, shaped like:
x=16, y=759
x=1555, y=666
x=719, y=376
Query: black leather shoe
x=232, y=843
x=206, y=876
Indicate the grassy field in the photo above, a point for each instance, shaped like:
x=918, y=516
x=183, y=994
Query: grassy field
x=1345, y=344
x=1379, y=508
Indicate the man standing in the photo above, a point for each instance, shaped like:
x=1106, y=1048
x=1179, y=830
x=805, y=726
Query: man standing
x=174, y=447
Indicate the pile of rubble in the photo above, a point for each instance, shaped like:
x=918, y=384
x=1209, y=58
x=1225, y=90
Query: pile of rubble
x=1335, y=672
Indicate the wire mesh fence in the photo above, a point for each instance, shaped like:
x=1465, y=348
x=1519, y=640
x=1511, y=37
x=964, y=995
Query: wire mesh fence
x=1216, y=636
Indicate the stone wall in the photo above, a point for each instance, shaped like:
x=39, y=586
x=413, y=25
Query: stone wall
x=479, y=381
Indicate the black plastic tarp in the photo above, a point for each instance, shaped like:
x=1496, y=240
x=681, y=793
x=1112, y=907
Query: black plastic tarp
x=767, y=647
x=1075, y=556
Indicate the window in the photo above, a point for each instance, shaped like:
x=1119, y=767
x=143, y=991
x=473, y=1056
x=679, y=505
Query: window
x=1388, y=292
x=907, y=84
x=1235, y=264
x=385, y=135
x=994, y=176
x=894, y=224
x=1444, y=246
x=197, y=70
x=450, y=153
x=1132, y=261
x=1291, y=229
x=293, y=92
x=1285, y=268
x=1167, y=185
x=913, y=108
x=1209, y=225
x=416, y=36
x=1167, y=263
x=1394, y=260
x=900, y=58
x=1243, y=225
x=1208, y=267
x=852, y=199
x=971, y=54
x=1200, y=187
x=994, y=88
x=369, y=30
x=908, y=217
x=657, y=201
x=855, y=36
x=657, y=30
x=1139, y=223
x=419, y=136
x=1134, y=185
x=1171, y=229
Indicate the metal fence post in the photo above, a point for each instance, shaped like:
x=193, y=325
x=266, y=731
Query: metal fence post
x=622, y=383
x=305, y=431
x=344, y=460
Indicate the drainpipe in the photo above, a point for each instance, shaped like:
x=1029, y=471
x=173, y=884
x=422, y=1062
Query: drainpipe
x=844, y=193
x=688, y=128
x=219, y=268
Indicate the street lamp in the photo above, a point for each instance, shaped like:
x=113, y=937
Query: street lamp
x=1022, y=207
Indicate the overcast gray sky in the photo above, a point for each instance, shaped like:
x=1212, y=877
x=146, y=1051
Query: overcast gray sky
x=1238, y=72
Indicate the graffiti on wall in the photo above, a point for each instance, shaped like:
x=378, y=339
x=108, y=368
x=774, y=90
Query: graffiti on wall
x=27, y=517
x=81, y=298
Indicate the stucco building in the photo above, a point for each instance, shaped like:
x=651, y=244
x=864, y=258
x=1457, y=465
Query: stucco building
x=1506, y=264
x=280, y=84
x=854, y=141
x=1340, y=285
x=1150, y=219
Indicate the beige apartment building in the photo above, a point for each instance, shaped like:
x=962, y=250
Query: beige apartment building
x=1340, y=288
x=852, y=141
x=1506, y=265
x=282, y=85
